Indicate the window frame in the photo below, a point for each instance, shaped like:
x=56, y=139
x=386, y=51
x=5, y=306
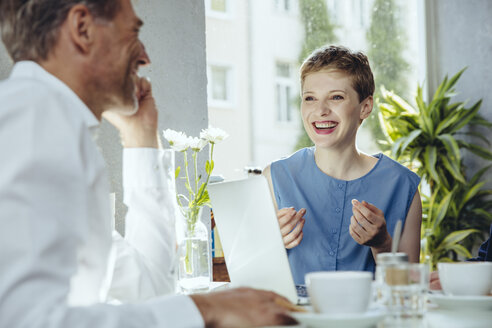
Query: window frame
x=279, y=7
x=229, y=103
x=228, y=14
x=284, y=82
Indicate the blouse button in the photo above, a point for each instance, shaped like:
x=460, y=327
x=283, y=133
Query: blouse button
x=340, y=185
x=337, y=210
x=331, y=253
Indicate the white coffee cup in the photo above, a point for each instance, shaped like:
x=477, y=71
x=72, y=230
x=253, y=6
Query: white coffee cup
x=466, y=278
x=339, y=292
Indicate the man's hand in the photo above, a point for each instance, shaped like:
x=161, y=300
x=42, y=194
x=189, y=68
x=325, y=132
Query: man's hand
x=435, y=283
x=139, y=129
x=291, y=224
x=243, y=307
x=368, y=226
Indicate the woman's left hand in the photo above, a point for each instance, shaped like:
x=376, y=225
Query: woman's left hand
x=368, y=226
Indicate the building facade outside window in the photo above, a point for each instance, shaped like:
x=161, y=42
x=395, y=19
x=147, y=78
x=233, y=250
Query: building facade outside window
x=263, y=43
x=284, y=5
x=219, y=8
x=220, y=91
x=284, y=95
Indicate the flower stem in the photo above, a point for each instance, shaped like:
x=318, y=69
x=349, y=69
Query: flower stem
x=196, y=171
x=208, y=175
x=188, y=256
x=188, y=175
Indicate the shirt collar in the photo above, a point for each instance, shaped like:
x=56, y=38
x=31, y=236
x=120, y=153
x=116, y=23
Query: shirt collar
x=30, y=69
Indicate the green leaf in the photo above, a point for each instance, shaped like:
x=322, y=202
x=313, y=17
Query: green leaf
x=415, y=154
x=472, y=192
x=453, y=161
x=454, y=238
x=399, y=104
x=466, y=117
x=395, y=150
x=408, y=140
x=483, y=213
x=454, y=79
x=430, y=157
x=480, y=120
x=442, y=209
x=426, y=124
x=176, y=172
x=441, y=89
x=449, y=120
x=453, y=168
x=460, y=250
x=204, y=199
x=475, y=134
x=207, y=167
x=480, y=151
x=431, y=209
x=419, y=99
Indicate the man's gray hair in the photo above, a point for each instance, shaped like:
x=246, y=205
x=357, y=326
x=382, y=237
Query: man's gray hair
x=30, y=27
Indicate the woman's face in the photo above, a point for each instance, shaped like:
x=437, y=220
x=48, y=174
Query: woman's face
x=330, y=109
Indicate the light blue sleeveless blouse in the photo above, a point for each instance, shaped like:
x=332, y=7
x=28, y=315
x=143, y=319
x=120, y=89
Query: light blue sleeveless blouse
x=327, y=244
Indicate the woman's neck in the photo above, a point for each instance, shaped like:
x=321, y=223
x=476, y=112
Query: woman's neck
x=345, y=164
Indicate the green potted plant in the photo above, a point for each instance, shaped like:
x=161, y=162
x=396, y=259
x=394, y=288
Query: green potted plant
x=428, y=137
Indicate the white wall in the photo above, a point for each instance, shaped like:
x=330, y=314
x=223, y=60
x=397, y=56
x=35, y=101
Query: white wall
x=276, y=36
x=228, y=44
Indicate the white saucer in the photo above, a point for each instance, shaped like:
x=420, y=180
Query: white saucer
x=353, y=320
x=476, y=303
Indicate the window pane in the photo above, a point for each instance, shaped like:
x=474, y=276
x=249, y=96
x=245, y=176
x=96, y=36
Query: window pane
x=288, y=100
x=283, y=70
x=219, y=5
x=219, y=83
x=279, y=102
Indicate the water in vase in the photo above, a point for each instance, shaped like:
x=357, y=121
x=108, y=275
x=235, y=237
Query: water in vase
x=194, y=270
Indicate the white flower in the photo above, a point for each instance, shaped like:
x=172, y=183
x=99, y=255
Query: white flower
x=177, y=140
x=197, y=144
x=213, y=135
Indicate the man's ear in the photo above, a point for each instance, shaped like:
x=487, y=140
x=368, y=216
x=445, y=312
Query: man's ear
x=80, y=23
x=366, y=107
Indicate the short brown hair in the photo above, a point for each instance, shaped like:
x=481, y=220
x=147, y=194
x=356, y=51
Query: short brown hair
x=355, y=64
x=30, y=27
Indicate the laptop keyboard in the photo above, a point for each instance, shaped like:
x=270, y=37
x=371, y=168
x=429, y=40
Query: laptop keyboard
x=301, y=291
x=302, y=295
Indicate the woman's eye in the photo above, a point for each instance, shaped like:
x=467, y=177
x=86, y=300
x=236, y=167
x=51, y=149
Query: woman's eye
x=309, y=98
x=337, y=97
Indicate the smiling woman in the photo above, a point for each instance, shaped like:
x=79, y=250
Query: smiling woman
x=333, y=212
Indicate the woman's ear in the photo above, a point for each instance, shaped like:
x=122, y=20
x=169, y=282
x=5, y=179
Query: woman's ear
x=366, y=107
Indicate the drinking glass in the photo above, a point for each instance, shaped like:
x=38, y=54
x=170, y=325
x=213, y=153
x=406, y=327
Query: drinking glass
x=407, y=286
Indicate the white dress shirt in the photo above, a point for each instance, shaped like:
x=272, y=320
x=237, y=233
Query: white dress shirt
x=60, y=257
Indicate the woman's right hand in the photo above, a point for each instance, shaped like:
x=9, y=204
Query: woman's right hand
x=291, y=224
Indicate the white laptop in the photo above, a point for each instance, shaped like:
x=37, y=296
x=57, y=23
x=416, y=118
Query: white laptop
x=253, y=248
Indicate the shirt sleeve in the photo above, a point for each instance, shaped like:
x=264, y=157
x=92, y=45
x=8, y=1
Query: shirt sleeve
x=42, y=219
x=145, y=257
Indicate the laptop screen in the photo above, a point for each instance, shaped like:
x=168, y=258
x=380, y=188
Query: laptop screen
x=253, y=248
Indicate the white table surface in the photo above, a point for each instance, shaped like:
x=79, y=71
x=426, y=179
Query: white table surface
x=434, y=317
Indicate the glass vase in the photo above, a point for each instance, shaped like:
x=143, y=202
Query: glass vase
x=194, y=258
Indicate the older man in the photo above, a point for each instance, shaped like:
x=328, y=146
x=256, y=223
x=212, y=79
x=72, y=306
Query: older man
x=60, y=260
